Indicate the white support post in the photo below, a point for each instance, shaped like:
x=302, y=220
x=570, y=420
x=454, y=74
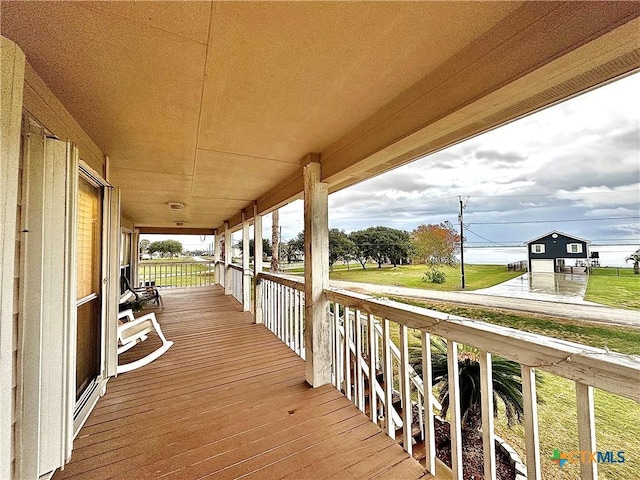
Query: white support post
x=258, y=311
x=246, y=274
x=486, y=392
x=135, y=257
x=530, y=404
x=228, y=287
x=454, y=410
x=586, y=430
x=316, y=274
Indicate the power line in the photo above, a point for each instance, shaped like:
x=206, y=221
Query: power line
x=557, y=221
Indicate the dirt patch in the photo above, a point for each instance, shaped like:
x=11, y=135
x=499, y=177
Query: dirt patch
x=472, y=456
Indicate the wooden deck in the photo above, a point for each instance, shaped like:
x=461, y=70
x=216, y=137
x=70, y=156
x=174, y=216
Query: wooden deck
x=228, y=400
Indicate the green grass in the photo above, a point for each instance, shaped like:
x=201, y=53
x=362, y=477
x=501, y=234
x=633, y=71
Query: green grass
x=619, y=339
x=620, y=292
x=165, y=274
x=617, y=429
x=476, y=276
x=617, y=423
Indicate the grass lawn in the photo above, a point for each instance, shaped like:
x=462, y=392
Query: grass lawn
x=476, y=276
x=616, y=291
x=617, y=425
x=164, y=273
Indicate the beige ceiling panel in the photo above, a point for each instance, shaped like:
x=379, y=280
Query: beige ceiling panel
x=225, y=175
x=281, y=89
x=135, y=89
x=187, y=19
x=145, y=182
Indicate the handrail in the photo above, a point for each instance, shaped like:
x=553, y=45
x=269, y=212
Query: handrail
x=610, y=371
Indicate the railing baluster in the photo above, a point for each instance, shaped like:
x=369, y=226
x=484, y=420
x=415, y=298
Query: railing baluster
x=347, y=353
x=373, y=354
x=454, y=409
x=405, y=391
x=296, y=321
x=388, y=380
x=488, y=435
x=359, y=380
x=530, y=404
x=427, y=404
x=586, y=429
x=338, y=365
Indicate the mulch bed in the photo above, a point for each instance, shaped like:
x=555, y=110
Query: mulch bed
x=472, y=458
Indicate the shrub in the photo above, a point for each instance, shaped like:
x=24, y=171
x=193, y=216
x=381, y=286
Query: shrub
x=434, y=275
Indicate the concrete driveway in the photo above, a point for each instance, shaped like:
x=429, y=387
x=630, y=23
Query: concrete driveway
x=548, y=287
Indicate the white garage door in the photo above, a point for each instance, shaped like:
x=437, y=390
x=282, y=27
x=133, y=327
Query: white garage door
x=542, y=266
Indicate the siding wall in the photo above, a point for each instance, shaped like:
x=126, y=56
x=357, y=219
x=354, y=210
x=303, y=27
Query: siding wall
x=32, y=99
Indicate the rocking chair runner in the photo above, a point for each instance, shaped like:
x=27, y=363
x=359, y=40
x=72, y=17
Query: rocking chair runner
x=134, y=331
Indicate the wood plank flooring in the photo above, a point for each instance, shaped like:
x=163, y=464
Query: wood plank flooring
x=228, y=400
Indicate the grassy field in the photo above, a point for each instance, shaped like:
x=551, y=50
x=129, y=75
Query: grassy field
x=614, y=287
x=617, y=422
x=476, y=276
x=170, y=273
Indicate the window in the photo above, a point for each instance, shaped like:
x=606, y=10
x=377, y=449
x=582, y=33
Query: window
x=574, y=248
x=537, y=248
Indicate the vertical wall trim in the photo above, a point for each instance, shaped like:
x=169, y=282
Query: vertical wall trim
x=11, y=84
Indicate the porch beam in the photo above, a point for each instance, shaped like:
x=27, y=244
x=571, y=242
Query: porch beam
x=257, y=264
x=316, y=274
x=176, y=231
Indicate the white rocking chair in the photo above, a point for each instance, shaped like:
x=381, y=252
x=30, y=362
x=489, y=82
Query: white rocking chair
x=134, y=331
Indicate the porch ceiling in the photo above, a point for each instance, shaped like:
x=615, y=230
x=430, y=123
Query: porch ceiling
x=213, y=104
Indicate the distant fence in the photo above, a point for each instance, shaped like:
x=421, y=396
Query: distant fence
x=611, y=271
x=176, y=274
x=521, y=266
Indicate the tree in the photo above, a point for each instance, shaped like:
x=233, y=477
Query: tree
x=507, y=384
x=294, y=248
x=435, y=244
x=340, y=246
x=635, y=258
x=275, y=241
x=166, y=248
x=266, y=247
x=382, y=244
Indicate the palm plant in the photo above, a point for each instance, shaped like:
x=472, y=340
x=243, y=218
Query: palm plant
x=635, y=258
x=507, y=384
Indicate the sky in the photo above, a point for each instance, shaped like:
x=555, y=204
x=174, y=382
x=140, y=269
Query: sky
x=573, y=167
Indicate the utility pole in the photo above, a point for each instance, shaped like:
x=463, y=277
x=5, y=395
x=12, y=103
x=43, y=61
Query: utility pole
x=461, y=220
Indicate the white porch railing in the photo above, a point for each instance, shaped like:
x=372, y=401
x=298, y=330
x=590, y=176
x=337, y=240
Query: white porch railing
x=220, y=276
x=176, y=274
x=236, y=282
x=375, y=374
x=283, y=307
